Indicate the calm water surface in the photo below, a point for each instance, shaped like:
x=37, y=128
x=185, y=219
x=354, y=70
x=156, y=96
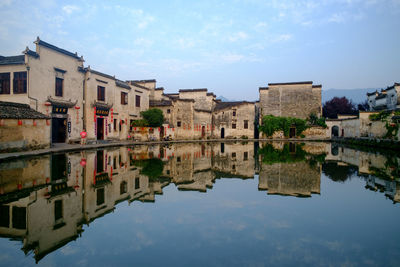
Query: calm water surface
x=229, y=204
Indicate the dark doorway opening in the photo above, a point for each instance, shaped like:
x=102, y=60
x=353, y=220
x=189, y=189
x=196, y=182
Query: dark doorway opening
x=58, y=130
x=342, y=133
x=162, y=132
x=222, y=148
x=292, y=132
x=222, y=132
x=100, y=129
x=203, y=131
x=335, y=131
x=100, y=161
x=58, y=167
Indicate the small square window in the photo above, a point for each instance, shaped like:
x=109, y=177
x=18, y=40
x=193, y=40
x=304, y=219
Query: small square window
x=168, y=111
x=124, y=98
x=246, y=124
x=178, y=124
x=101, y=93
x=234, y=113
x=233, y=125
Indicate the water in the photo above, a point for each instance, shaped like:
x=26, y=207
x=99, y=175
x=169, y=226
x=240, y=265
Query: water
x=229, y=204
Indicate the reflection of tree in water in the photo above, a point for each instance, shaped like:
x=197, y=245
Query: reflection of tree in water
x=289, y=154
x=337, y=172
x=153, y=168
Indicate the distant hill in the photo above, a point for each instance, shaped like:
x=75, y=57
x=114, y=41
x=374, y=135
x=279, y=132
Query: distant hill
x=356, y=95
x=223, y=99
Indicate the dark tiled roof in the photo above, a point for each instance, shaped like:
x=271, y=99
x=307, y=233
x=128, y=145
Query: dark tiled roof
x=144, y=81
x=100, y=73
x=291, y=83
x=160, y=103
x=122, y=84
x=55, y=48
x=138, y=85
x=13, y=60
x=396, y=84
x=193, y=90
x=31, y=53
x=316, y=86
x=262, y=88
x=159, y=89
x=373, y=93
x=61, y=102
x=224, y=105
x=381, y=96
x=212, y=94
x=184, y=99
x=202, y=110
x=172, y=96
x=9, y=110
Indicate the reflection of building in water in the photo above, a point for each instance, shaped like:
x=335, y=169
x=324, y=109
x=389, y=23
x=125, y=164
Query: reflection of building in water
x=48, y=211
x=380, y=172
x=291, y=179
x=287, y=169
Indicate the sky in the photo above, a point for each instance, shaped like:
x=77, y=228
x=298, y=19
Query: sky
x=230, y=47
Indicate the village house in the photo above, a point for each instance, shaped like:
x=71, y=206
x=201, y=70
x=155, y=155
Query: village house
x=49, y=80
x=234, y=119
x=386, y=99
x=293, y=99
x=111, y=106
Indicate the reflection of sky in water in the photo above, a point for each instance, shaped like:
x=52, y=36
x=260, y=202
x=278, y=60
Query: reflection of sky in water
x=235, y=224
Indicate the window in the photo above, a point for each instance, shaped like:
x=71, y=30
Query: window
x=168, y=111
x=19, y=217
x=137, y=183
x=178, y=159
x=19, y=82
x=115, y=124
x=100, y=196
x=124, y=98
x=178, y=124
x=234, y=113
x=138, y=101
x=115, y=163
x=58, y=212
x=101, y=93
x=233, y=154
x=4, y=216
x=233, y=125
x=123, y=188
x=59, y=86
x=245, y=155
x=4, y=83
x=246, y=124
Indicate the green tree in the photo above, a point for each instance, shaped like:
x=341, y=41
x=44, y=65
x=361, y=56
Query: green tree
x=153, y=116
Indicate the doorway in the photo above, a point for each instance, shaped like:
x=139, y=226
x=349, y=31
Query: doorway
x=335, y=131
x=58, y=130
x=222, y=132
x=162, y=129
x=100, y=128
x=292, y=132
x=203, y=131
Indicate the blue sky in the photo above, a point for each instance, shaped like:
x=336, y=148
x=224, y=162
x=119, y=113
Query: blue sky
x=229, y=47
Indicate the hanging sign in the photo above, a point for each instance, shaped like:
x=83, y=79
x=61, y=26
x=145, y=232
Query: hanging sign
x=102, y=111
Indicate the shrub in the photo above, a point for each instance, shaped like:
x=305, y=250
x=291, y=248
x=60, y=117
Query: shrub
x=153, y=116
x=271, y=124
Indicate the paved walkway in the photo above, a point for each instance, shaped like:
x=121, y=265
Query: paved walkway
x=68, y=148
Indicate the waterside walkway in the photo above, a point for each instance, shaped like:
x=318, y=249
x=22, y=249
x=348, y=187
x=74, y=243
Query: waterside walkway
x=76, y=147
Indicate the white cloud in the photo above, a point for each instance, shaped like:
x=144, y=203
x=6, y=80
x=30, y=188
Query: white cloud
x=145, y=21
x=143, y=42
x=69, y=9
x=337, y=18
x=282, y=38
x=185, y=43
x=239, y=36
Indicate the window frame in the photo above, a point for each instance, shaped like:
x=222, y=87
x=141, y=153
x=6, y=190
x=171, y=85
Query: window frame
x=20, y=80
x=137, y=101
x=101, y=93
x=124, y=98
x=5, y=83
x=246, y=124
x=62, y=87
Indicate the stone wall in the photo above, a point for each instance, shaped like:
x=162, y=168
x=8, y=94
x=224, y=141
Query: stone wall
x=316, y=132
x=224, y=120
x=32, y=134
x=296, y=100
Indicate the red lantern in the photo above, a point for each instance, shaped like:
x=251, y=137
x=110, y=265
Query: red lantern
x=47, y=122
x=47, y=180
x=19, y=122
x=83, y=162
x=77, y=107
x=47, y=104
x=34, y=123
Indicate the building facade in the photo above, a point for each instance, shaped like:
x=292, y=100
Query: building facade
x=294, y=99
x=386, y=99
